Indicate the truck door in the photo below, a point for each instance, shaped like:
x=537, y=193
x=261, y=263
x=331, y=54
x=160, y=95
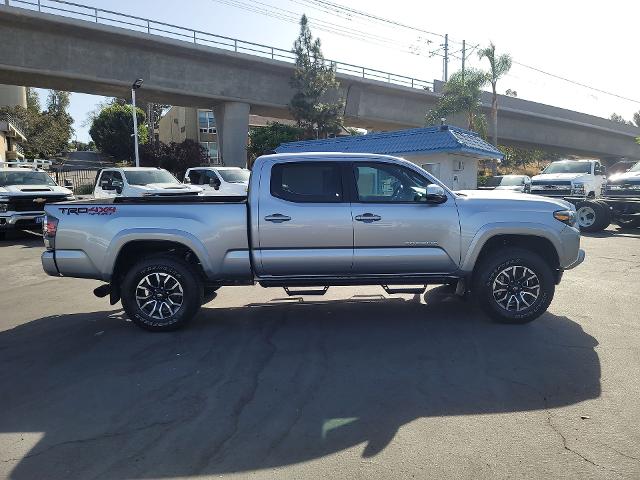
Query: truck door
x=104, y=186
x=395, y=231
x=304, y=221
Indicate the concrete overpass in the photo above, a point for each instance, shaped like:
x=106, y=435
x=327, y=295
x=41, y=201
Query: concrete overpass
x=52, y=51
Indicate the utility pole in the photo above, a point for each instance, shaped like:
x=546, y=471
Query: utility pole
x=446, y=57
x=136, y=85
x=464, y=57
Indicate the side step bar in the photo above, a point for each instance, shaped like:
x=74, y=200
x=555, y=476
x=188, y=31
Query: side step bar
x=392, y=291
x=318, y=292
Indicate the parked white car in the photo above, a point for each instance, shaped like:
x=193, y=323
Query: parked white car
x=139, y=182
x=570, y=178
x=229, y=181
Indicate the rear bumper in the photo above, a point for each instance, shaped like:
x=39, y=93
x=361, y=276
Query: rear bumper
x=49, y=264
x=72, y=263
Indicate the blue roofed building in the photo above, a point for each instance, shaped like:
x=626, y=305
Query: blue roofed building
x=449, y=153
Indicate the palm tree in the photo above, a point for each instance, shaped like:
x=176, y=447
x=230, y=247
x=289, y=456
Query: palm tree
x=462, y=94
x=499, y=66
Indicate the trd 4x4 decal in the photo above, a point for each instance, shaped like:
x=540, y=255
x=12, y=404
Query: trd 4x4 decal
x=87, y=210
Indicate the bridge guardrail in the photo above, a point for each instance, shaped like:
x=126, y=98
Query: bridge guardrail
x=198, y=37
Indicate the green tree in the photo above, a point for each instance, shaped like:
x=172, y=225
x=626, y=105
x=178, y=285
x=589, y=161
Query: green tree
x=462, y=94
x=174, y=157
x=314, y=81
x=636, y=118
x=498, y=66
x=620, y=119
x=266, y=139
x=112, y=130
x=48, y=132
x=33, y=100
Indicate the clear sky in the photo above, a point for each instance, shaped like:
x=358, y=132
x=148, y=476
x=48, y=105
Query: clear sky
x=593, y=43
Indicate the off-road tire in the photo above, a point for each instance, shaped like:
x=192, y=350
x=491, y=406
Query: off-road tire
x=492, y=266
x=190, y=284
x=598, y=212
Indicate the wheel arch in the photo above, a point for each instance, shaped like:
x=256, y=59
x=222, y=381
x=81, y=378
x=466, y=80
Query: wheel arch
x=131, y=246
x=535, y=238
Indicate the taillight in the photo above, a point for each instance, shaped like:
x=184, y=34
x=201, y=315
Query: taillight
x=49, y=226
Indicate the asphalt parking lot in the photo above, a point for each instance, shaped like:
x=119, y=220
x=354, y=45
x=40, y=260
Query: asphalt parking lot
x=356, y=384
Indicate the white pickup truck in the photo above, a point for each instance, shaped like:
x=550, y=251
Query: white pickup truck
x=219, y=180
x=24, y=191
x=570, y=178
x=139, y=182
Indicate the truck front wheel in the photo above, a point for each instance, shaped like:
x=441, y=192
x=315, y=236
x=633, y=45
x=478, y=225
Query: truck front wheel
x=513, y=285
x=161, y=293
x=593, y=216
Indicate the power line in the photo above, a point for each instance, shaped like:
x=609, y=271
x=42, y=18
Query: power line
x=293, y=17
x=576, y=83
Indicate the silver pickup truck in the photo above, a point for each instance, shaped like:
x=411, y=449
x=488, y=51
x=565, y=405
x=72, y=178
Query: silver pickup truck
x=311, y=221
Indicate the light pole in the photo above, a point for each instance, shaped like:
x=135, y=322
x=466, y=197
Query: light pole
x=136, y=85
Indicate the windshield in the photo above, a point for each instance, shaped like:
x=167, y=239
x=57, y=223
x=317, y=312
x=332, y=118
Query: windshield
x=235, y=176
x=635, y=168
x=25, y=178
x=145, y=177
x=508, y=181
x=568, y=167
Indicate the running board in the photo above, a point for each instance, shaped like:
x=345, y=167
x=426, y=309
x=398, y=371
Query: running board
x=294, y=293
x=393, y=291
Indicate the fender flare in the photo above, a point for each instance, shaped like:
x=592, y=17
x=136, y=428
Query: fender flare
x=490, y=230
x=153, y=234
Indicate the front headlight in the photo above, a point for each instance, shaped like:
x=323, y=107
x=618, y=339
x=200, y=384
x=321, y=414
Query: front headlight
x=577, y=189
x=567, y=217
x=3, y=207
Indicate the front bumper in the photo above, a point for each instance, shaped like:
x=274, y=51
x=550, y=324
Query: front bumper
x=13, y=220
x=578, y=261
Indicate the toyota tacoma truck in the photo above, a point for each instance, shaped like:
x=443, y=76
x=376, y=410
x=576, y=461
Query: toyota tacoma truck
x=311, y=221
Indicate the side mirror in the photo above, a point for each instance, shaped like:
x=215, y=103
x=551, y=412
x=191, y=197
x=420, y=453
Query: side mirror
x=117, y=186
x=68, y=183
x=187, y=180
x=105, y=185
x=215, y=183
x=435, y=194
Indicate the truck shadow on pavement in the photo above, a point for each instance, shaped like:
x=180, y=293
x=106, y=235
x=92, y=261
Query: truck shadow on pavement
x=269, y=385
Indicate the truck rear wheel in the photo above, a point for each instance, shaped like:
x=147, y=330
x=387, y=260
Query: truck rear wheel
x=513, y=285
x=161, y=293
x=593, y=216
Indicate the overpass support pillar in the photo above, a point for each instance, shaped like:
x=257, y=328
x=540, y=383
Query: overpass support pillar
x=232, y=125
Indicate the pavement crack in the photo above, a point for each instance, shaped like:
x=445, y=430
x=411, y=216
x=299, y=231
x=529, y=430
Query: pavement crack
x=78, y=441
x=244, y=401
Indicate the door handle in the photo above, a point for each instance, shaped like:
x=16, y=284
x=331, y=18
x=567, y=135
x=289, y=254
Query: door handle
x=368, y=217
x=277, y=218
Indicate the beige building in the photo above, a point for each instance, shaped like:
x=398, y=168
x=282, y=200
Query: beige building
x=11, y=133
x=181, y=123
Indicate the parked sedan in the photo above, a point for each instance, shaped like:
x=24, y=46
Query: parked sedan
x=516, y=183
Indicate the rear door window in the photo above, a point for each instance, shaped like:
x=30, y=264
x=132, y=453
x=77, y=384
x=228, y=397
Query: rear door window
x=316, y=182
